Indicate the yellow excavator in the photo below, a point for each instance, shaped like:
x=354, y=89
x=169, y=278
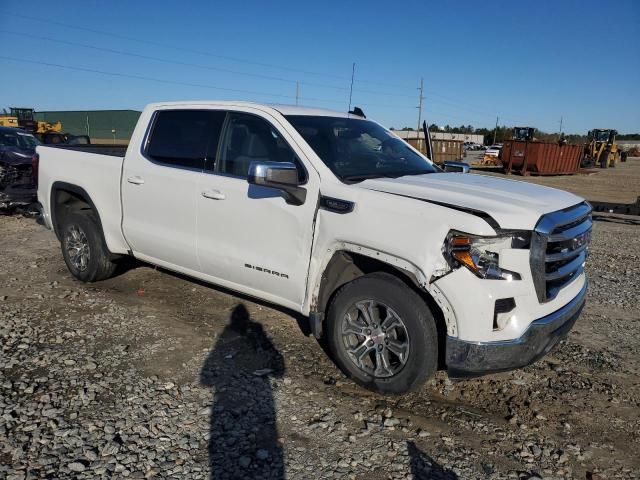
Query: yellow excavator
x=23, y=118
x=601, y=149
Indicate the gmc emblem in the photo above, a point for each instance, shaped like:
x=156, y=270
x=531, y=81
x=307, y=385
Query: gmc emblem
x=581, y=240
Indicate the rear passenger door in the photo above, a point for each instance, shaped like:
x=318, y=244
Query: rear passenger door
x=160, y=186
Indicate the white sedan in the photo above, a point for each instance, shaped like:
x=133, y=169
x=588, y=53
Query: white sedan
x=493, y=151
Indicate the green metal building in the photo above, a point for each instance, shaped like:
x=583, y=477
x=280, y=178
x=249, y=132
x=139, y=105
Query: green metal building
x=98, y=124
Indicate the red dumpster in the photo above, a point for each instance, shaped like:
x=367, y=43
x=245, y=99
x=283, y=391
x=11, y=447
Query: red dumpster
x=539, y=158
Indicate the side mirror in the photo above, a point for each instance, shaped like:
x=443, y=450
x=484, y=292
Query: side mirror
x=280, y=175
x=458, y=167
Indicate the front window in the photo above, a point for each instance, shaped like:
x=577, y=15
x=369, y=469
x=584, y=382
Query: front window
x=248, y=139
x=356, y=149
x=23, y=113
x=602, y=135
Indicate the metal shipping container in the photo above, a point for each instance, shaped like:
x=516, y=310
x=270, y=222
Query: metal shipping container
x=540, y=158
x=442, y=149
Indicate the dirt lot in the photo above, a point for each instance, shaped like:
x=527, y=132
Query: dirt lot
x=619, y=185
x=149, y=375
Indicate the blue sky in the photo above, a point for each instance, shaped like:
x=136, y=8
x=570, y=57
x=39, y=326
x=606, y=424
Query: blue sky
x=528, y=63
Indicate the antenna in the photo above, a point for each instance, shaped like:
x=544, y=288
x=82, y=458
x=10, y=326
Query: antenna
x=561, y=125
x=353, y=72
x=297, y=92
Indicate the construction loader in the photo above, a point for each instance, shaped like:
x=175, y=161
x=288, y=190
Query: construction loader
x=601, y=149
x=23, y=118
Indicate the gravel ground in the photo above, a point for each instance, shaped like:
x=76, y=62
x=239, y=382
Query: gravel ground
x=149, y=375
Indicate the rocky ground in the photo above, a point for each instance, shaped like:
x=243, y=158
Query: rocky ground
x=149, y=375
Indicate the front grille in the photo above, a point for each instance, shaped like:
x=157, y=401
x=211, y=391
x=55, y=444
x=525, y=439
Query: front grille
x=559, y=247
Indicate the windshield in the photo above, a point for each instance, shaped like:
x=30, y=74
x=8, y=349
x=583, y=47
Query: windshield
x=357, y=149
x=18, y=139
x=602, y=135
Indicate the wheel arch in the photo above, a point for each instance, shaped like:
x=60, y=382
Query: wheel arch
x=353, y=261
x=65, y=197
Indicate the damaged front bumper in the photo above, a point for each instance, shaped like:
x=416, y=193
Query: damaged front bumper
x=469, y=359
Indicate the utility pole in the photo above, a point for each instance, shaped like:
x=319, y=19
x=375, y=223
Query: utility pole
x=561, y=125
x=419, y=107
x=496, y=130
x=297, y=92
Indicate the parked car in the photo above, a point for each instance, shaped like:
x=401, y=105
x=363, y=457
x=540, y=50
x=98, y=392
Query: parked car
x=400, y=266
x=493, y=151
x=473, y=146
x=17, y=187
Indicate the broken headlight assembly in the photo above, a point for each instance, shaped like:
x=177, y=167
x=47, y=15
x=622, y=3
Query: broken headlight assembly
x=481, y=254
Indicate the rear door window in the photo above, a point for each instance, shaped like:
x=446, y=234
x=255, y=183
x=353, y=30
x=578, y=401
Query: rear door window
x=185, y=138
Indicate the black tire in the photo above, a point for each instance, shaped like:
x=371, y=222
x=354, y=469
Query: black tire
x=81, y=227
x=604, y=159
x=419, y=325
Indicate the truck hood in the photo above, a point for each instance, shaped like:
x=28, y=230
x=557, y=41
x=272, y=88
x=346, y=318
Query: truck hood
x=512, y=204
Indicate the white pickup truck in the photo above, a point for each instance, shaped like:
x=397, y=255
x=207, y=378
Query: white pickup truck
x=402, y=267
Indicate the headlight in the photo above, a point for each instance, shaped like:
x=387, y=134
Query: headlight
x=480, y=254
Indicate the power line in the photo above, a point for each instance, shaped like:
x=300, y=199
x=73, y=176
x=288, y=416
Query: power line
x=442, y=99
x=485, y=112
x=197, y=65
x=147, y=57
x=197, y=52
x=139, y=77
x=213, y=87
x=175, y=82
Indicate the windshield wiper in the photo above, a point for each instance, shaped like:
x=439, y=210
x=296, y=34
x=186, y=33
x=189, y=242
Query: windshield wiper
x=368, y=176
x=360, y=178
x=406, y=174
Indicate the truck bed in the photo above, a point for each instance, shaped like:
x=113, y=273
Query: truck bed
x=95, y=170
x=97, y=148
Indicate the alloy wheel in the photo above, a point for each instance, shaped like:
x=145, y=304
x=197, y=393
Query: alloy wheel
x=375, y=338
x=77, y=246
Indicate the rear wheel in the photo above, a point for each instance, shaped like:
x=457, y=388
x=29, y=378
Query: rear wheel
x=83, y=247
x=382, y=334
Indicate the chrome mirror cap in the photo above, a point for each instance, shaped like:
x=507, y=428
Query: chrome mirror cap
x=280, y=175
x=459, y=167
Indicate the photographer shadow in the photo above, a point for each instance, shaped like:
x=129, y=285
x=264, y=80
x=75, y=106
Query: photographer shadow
x=243, y=432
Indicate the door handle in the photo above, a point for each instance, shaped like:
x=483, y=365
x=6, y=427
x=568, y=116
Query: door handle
x=136, y=180
x=213, y=194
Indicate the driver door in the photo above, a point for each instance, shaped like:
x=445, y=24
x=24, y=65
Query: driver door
x=249, y=238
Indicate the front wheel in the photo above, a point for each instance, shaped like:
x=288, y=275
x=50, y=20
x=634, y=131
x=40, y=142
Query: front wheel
x=84, y=249
x=382, y=334
x=604, y=159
